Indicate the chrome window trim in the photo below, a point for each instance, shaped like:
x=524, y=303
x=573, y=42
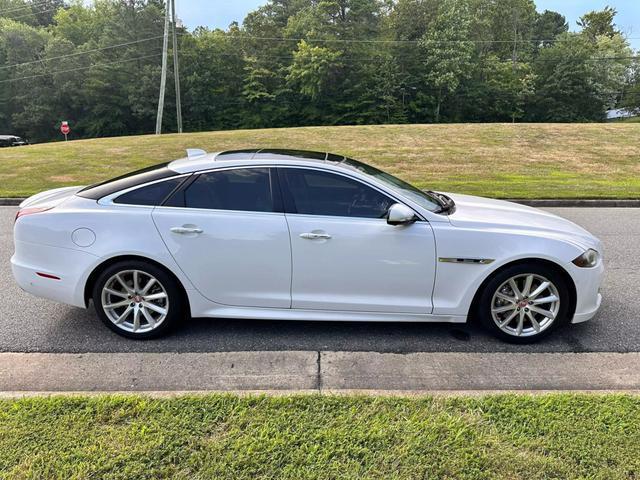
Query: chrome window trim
x=108, y=200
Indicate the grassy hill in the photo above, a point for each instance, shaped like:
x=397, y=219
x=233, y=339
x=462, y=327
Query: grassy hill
x=498, y=160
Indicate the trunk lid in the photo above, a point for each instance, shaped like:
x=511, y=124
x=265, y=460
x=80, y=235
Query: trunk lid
x=50, y=198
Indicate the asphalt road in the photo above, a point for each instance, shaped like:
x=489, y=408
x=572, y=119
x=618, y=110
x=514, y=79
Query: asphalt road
x=29, y=324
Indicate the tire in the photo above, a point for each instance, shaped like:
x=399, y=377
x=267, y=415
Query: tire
x=500, y=307
x=136, y=313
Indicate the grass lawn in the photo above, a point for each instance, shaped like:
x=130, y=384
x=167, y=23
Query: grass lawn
x=498, y=160
x=321, y=437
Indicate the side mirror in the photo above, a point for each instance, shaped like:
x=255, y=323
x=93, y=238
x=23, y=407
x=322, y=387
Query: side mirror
x=400, y=214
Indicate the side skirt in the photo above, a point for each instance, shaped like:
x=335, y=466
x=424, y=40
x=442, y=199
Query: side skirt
x=322, y=315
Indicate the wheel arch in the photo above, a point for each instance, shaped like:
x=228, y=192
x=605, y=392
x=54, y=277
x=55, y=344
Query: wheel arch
x=522, y=261
x=95, y=273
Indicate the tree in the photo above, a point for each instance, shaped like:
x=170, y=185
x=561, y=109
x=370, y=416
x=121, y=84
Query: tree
x=313, y=69
x=548, y=26
x=447, y=51
x=598, y=23
x=578, y=80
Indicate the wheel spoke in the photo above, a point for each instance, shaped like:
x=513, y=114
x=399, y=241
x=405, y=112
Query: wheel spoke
x=148, y=286
x=506, y=308
x=520, y=323
x=527, y=285
x=136, y=318
x=147, y=315
x=514, y=287
x=541, y=288
x=506, y=298
x=534, y=322
x=124, y=315
x=124, y=303
x=543, y=300
x=507, y=320
x=155, y=296
x=116, y=293
x=154, y=307
x=123, y=283
x=136, y=283
x=546, y=313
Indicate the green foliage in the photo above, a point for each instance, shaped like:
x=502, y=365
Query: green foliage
x=321, y=437
x=313, y=69
x=307, y=62
x=598, y=23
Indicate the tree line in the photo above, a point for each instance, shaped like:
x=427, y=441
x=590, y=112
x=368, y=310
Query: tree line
x=309, y=62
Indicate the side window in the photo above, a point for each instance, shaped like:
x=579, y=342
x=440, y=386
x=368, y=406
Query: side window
x=246, y=189
x=153, y=194
x=313, y=192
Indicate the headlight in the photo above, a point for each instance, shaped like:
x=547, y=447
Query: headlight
x=587, y=259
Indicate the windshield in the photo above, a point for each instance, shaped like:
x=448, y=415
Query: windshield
x=424, y=199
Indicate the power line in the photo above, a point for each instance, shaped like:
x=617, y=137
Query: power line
x=353, y=40
x=84, y=52
x=34, y=13
x=28, y=5
x=81, y=68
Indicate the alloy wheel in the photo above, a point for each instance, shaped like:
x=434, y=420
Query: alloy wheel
x=525, y=305
x=135, y=301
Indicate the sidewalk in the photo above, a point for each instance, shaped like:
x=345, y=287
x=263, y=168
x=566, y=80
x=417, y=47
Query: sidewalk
x=320, y=372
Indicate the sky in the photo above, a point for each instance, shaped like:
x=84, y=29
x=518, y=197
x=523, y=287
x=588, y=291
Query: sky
x=220, y=13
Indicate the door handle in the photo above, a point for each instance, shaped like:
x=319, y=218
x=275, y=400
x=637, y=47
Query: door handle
x=185, y=230
x=314, y=236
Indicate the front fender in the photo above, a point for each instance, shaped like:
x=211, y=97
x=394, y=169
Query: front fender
x=457, y=283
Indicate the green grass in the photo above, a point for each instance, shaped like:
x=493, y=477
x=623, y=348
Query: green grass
x=498, y=160
x=321, y=437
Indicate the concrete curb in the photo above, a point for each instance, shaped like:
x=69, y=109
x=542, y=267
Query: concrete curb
x=574, y=203
x=580, y=203
x=318, y=372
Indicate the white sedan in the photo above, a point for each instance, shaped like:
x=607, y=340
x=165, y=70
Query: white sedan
x=296, y=235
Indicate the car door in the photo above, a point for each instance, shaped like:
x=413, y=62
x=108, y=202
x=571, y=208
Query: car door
x=345, y=255
x=227, y=232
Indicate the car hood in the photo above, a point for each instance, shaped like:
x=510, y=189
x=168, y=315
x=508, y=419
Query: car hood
x=485, y=213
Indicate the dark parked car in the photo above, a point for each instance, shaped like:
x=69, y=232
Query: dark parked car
x=12, y=141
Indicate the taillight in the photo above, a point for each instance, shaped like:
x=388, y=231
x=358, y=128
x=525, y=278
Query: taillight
x=28, y=211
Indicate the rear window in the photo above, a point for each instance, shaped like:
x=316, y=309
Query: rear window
x=150, y=195
x=128, y=180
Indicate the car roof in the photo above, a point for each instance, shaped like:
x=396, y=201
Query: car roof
x=8, y=137
x=202, y=161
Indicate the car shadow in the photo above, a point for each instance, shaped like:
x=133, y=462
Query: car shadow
x=81, y=331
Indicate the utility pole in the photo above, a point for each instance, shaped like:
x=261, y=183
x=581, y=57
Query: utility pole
x=163, y=75
x=176, y=67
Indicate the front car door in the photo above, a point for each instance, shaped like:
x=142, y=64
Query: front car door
x=345, y=255
x=227, y=232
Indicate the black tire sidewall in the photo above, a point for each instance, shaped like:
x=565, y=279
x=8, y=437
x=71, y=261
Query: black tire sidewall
x=486, y=296
x=176, y=303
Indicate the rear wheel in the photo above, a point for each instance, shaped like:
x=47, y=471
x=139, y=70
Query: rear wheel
x=137, y=299
x=524, y=303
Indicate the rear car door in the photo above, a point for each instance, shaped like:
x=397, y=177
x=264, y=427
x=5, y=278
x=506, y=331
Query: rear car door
x=227, y=232
x=345, y=255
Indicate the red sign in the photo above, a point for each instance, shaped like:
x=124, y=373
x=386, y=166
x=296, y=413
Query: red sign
x=64, y=128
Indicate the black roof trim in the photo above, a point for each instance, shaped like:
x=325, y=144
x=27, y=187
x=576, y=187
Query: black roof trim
x=270, y=153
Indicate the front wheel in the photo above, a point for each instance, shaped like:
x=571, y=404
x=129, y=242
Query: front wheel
x=137, y=299
x=524, y=303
